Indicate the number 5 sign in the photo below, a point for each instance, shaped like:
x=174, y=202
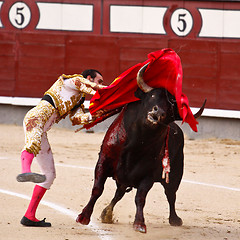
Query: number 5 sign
x=181, y=22
x=16, y=14
x=19, y=15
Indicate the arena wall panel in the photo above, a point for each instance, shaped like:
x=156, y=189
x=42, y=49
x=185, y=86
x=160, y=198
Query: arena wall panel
x=33, y=56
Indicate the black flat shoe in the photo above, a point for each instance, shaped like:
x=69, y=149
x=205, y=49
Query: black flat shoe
x=29, y=223
x=31, y=177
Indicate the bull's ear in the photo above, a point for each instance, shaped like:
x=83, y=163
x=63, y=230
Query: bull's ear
x=139, y=93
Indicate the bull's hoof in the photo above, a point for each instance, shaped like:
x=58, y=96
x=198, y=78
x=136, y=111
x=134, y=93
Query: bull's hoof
x=107, y=216
x=176, y=221
x=140, y=228
x=83, y=220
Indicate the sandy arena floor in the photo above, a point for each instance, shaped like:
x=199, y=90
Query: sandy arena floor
x=208, y=199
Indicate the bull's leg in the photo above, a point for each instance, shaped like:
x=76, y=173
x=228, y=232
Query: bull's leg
x=174, y=220
x=107, y=213
x=176, y=143
x=140, y=200
x=100, y=179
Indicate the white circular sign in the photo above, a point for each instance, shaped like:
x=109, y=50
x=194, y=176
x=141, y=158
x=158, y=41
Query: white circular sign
x=181, y=22
x=20, y=15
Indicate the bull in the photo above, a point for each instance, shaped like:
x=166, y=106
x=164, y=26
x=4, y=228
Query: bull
x=135, y=153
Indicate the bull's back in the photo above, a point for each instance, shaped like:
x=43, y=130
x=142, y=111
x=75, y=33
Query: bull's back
x=117, y=132
x=115, y=140
x=112, y=144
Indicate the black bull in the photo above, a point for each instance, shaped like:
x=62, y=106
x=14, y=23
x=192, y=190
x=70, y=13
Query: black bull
x=132, y=153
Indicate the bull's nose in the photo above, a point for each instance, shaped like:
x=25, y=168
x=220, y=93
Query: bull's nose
x=162, y=115
x=158, y=111
x=155, y=108
x=156, y=115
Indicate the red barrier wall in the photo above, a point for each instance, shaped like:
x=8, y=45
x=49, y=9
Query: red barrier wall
x=31, y=59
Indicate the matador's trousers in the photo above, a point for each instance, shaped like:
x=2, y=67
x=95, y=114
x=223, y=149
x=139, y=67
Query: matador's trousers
x=36, y=124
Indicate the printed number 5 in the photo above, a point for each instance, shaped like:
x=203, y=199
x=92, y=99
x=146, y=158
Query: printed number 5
x=181, y=22
x=184, y=24
x=19, y=15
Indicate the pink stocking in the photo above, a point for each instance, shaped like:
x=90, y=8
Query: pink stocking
x=26, y=159
x=38, y=193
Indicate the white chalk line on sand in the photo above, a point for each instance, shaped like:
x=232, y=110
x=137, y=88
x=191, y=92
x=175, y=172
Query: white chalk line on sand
x=184, y=180
x=93, y=226
x=211, y=185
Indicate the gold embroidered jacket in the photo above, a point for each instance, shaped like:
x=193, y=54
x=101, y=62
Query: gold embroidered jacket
x=68, y=89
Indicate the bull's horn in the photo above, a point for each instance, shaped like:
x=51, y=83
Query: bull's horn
x=200, y=111
x=141, y=84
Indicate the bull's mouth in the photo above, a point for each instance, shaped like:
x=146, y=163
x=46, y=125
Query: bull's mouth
x=153, y=118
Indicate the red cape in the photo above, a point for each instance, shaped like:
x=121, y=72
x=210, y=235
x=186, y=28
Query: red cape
x=164, y=70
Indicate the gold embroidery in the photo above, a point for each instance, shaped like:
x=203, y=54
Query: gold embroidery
x=65, y=100
x=78, y=83
x=31, y=124
x=64, y=76
x=65, y=97
x=34, y=123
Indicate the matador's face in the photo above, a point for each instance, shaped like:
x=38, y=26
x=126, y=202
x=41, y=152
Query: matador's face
x=98, y=79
